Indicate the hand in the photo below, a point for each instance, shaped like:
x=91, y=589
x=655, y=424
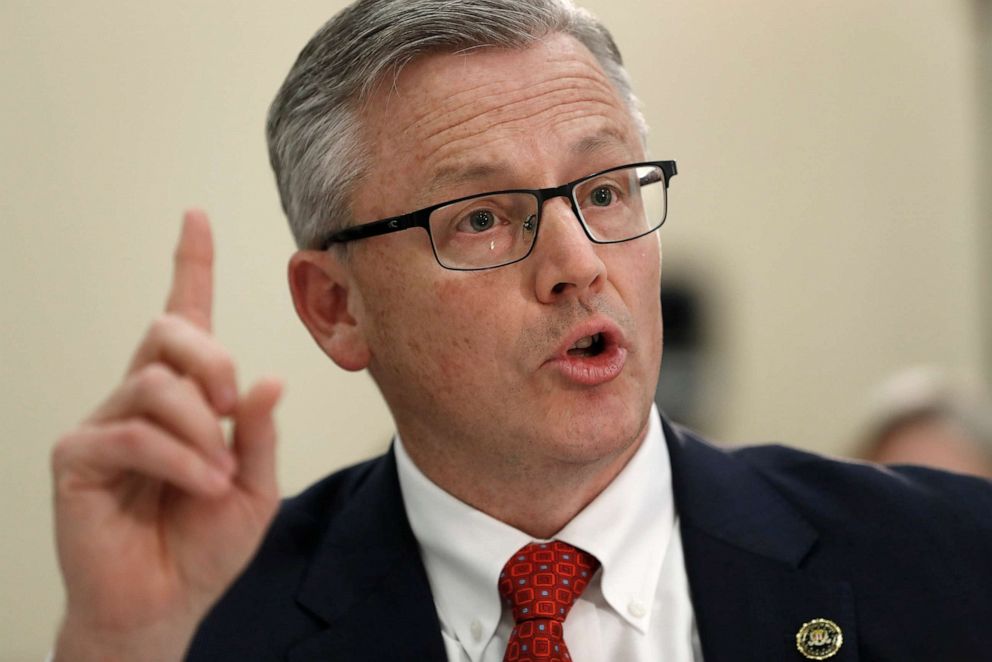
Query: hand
x=155, y=514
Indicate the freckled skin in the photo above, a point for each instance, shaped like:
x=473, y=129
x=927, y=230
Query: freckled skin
x=461, y=356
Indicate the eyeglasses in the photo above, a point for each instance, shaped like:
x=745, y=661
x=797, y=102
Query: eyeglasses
x=490, y=230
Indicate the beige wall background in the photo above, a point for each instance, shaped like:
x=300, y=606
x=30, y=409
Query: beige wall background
x=832, y=198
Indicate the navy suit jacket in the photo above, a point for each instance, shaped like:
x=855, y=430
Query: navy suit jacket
x=773, y=537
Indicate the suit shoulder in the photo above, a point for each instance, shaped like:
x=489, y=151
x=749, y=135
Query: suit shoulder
x=302, y=520
x=851, y=491
x=321, y=500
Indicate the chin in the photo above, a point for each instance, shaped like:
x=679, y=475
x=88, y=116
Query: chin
x=598, y=429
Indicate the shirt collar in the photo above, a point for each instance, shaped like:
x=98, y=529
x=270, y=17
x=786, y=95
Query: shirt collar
x=463, y=551
x=627, y=527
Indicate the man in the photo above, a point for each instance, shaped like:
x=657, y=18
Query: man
x=476, y=219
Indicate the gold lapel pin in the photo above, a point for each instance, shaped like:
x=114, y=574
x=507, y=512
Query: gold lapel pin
x=819, y=639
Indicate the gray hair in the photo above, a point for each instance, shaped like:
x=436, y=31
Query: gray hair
x=928, y=393
x=314, y=128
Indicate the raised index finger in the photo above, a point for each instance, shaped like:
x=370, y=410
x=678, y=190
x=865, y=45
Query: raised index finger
x=192, y=278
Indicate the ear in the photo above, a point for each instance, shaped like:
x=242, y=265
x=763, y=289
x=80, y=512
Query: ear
x=329, y=306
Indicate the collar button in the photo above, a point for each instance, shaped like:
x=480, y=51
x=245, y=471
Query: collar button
x=637, y=609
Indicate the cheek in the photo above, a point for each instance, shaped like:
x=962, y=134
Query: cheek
x=472, y=326
x=395, y=316
x=638, y=277
x=442, y=334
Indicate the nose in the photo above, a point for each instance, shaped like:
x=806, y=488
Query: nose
x=564, y=259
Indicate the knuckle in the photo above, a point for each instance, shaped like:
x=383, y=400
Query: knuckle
x=187, y=464
x=61, y=451
x=152, y=379
x=130, y=433
x=220, y=364
x=69, y=446
x=162, y=326
x=161, y=331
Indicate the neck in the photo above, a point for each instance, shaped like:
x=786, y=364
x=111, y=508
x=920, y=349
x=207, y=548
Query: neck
x=505, y=487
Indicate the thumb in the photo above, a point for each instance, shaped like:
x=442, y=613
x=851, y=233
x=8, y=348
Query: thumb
x=255, y=437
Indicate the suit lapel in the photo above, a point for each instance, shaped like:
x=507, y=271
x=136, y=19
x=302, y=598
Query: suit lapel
x=745, y=549
x=367, y=582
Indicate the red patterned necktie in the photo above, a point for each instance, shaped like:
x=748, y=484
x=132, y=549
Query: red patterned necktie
x=540, y=583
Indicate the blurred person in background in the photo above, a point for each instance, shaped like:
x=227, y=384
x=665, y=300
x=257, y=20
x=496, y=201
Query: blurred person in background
x=923, y=416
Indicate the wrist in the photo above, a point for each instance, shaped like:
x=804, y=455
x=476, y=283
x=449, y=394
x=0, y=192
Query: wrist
x=86, y=642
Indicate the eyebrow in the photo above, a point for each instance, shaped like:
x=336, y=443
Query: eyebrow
x=605, y=139
x=455, y=175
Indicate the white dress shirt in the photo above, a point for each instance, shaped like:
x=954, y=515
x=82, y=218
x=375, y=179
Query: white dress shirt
x=636, y=608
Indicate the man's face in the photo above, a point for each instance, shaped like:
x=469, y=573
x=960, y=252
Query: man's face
x=476, y=365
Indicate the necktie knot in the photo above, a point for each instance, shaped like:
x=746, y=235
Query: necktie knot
x=540, y=583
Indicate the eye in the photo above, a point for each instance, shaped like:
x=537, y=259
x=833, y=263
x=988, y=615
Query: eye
x=601, y=196
x=480, y=220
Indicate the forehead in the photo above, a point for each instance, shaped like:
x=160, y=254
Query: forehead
x=452, y=122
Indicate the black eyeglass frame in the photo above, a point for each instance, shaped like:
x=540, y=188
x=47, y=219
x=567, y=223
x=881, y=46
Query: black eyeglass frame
x=421, y=217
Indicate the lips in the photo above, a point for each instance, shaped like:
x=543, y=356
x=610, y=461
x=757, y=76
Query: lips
x=592, y=353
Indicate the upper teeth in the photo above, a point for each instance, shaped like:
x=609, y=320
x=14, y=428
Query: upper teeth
x=585, y=343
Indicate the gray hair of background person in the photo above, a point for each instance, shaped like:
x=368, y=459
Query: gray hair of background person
x=927, y=393
x=314, y=130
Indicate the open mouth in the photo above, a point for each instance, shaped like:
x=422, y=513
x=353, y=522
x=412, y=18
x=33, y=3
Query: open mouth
x=588, y=346
x=596, y=357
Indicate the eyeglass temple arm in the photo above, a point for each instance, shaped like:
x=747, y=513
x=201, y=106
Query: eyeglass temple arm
x=384, y=226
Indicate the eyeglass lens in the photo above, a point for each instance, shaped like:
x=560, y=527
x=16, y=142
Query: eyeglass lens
x=496, y=229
